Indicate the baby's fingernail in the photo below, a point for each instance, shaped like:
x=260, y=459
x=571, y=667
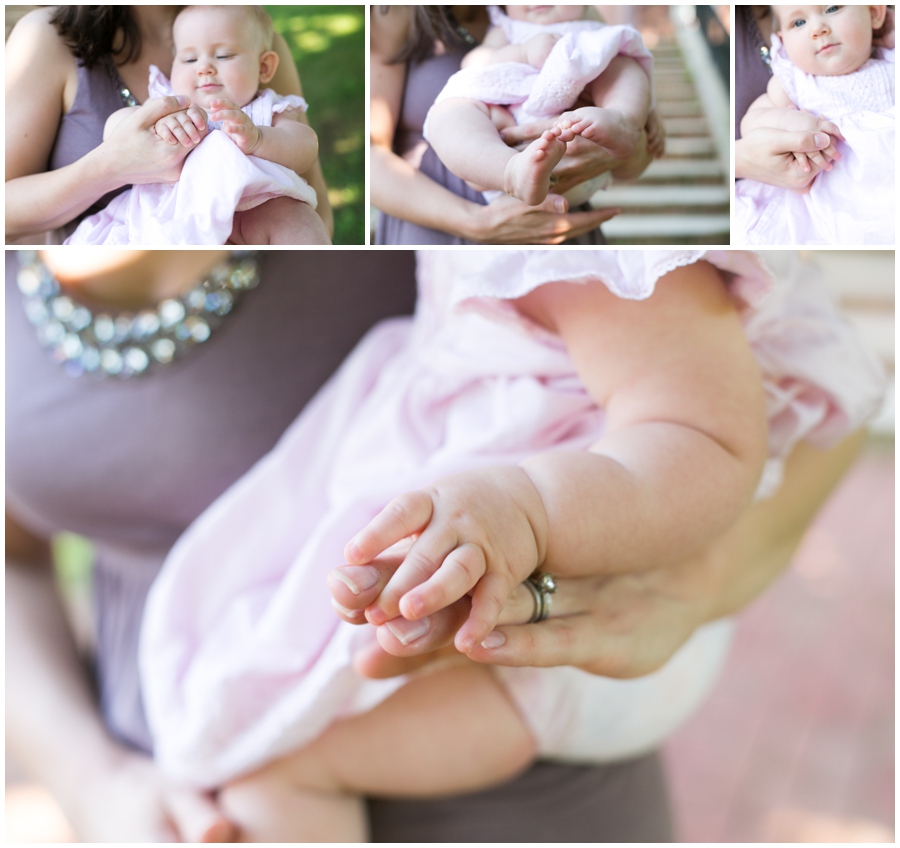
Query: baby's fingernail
x=494, y=639
x=821, y=140
x=357, y=578
x=347, y=612
x=408, y=631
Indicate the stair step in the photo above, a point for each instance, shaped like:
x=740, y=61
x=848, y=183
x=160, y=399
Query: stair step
x=656, y=229
x=679, y=108
x=686, y=126
x=690, y=146
x=682, y=169
x=665, y=195
x=673, y=90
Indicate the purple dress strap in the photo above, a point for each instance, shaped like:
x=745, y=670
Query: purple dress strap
x=751, y=73
x=97, y=96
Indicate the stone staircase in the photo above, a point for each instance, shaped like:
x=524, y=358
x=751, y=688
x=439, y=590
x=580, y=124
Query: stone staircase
x=684, y=197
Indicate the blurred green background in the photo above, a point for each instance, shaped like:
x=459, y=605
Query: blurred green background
x=328, y=45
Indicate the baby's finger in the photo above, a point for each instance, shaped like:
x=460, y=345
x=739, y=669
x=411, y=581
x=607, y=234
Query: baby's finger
x=165, y=133
x=179, y=133
x=803, y=161
x=198, y=117
x=459, y=572
x=404, y=515
x=188, y=126
x=820, y=161
x=423, y=560
x=488, y=600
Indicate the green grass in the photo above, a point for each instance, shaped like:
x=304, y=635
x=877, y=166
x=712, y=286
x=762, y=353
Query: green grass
x=328, y=45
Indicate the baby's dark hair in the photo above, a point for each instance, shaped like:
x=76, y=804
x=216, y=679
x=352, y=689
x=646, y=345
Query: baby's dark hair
x=260, y=18
x=97, y=34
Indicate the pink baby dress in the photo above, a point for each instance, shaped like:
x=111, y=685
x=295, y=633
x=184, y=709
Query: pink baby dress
x=583, y=52
x=853, y=204
x=216, y=181
x=242, y=658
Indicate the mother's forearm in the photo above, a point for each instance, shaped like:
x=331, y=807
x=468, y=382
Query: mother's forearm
x=53, y=725
x=40, y=202
x=762, y=542
x=398, y=189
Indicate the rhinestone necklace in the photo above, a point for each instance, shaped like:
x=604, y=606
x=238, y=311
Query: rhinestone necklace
x=128, y=344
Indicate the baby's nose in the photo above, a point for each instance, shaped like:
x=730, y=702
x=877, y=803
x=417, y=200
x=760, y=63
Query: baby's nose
x=205, y=67
x=821, y=28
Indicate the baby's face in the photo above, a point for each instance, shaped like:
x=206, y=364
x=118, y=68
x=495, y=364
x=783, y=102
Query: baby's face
x=545, y=14
x=827, y=40
x=217, y=55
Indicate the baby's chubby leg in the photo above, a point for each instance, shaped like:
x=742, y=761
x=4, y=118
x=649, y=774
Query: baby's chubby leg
x=621, y=98
x=449, y=731
x=282, y=220
x=467, y=142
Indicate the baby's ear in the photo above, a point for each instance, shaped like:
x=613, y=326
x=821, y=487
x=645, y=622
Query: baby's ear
x=878, y=14
x=268, y=64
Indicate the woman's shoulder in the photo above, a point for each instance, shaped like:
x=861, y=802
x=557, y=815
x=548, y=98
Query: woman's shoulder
x=390, y=27
x=34, y=42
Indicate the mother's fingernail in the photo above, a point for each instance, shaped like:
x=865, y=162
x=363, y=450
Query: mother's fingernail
x=408, y=631
x=560, y=204
x=822, y=140
x=494, y=639
x=357, y=578
x=349, y=613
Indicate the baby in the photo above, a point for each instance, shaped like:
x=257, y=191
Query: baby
x=575, y=412
x=823, y=62
x=540, y=61
x=236, y=184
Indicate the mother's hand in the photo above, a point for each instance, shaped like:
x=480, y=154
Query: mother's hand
x=583, y=160
x=509, y=221
x=138, y=154
x=130, y=801
x=616, y=626
x=767, y=155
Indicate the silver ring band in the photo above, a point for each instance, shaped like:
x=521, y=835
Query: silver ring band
x=541, y=586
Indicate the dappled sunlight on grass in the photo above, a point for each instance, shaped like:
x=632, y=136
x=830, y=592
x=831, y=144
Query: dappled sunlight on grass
x=328, y=46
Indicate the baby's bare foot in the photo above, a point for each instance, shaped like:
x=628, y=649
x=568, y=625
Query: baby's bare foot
x=612, y=130
x=527, y=174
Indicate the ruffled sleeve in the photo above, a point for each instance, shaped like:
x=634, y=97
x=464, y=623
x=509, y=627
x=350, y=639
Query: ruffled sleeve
x=821, y=381
x=475, y=277
x=158, y=85
x=267, y=104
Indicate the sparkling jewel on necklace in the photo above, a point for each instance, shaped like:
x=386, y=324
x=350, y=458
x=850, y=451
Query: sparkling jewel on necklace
x=128, y=344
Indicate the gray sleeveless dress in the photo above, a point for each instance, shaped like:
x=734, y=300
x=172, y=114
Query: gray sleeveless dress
x=424, y=81
x=97, y=96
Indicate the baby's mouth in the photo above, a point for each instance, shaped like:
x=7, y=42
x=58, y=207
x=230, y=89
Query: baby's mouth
x=825, y=48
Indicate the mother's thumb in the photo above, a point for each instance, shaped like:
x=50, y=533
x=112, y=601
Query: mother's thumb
x=553, y=203
x=159, y=107
x=808, y=142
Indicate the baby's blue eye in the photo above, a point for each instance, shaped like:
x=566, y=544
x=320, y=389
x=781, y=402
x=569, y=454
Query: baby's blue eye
x=831, y=9
x=226, y=56
x=798, y=23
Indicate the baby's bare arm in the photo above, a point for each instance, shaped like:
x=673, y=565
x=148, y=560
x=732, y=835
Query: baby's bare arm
x=290, y=143
x=681, y=456
x=685, y=424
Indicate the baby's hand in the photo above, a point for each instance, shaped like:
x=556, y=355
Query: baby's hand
x=479, y=532
x=185, y=128
x=539, y=47
x=795, y=120
x=236, y=124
